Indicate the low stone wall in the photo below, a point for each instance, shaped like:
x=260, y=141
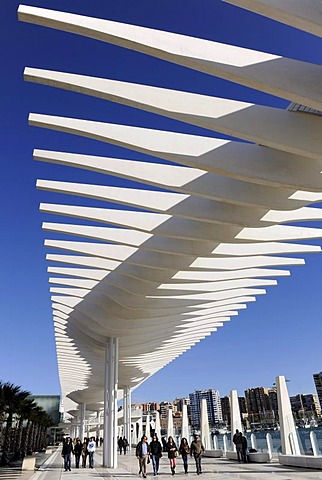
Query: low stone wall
x=258, y=457
x=231, y=455
x=304, y=461
x=213, y=453
x=29, y=463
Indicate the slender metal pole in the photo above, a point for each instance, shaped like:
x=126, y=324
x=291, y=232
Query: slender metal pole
x=115, y=364
x=106, y=409
x=127, y=413
x=98, y=431
x=82, y=420
x=110, y=403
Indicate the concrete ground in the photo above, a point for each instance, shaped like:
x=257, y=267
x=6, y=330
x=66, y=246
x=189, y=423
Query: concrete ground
x=213, y=469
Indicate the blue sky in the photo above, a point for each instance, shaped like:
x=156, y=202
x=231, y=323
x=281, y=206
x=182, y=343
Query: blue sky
x=280, y=334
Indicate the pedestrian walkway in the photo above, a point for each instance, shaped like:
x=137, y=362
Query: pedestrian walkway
x=213, y=469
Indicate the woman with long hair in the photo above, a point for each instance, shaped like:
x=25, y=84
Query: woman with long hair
x=184, y=451
x=84, y=452
x=78, y=449
x=172, y=453
x=156, y=453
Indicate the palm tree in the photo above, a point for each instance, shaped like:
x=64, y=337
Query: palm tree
x=11, y=399
x=24, y=412
x=43, y=423
x=36, y=429
x=30, y=429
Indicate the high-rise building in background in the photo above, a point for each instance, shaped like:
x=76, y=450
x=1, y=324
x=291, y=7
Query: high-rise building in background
x=305, y=407
x=53, y=407
x=242, y=405
x=317, y=377
x=164, y=408
x=225, y=408
x=312, y=404
x=272, y=394
x=212, y=398
x=51, y=404
x=179, y=402
x=258, y=406
x=150, y=407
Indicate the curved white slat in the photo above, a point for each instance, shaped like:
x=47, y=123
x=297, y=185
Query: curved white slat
x=89, y=273
x=263, y=248
x=270, y=73
x=302, y=14
x=193, y=275
x=173, y=204
x=244, y=262
x=299, y=135
x=248, y=162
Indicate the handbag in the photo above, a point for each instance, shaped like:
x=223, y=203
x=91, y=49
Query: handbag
x=176, y=453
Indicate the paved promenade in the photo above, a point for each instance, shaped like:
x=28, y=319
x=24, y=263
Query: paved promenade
x=213, y=469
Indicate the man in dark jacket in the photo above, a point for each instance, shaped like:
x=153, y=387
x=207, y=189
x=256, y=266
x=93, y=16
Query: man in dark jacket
x=238, y=442
x=125, y=445
x=197, y=449
x=120, y=443
x=67, y=453
x=244, y=448
x=142, y=454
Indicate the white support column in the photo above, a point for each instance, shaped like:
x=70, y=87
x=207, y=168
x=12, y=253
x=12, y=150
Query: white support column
x=82, y=420
x=73, y=432
x=204, y=424
x=225, y=443
x=140, y=429
x=127, y=393
x=157, y=425
x=289, y=440
x=127, y=413
x=235, y=420
x=269, y=441
x=77, y=428
x=185, y=424
x=147, y=427
x=110, y=404
x=170, y=423
x=314, y=443
x=98, y=426
x=253, y=441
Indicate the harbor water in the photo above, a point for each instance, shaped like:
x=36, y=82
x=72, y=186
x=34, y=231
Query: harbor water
x=261, y=443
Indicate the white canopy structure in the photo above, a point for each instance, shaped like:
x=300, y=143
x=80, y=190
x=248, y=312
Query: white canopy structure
x=175, y=260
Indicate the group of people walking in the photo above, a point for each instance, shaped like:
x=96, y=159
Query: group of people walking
x=153, y=450
x=79, y=449
x=146, y=452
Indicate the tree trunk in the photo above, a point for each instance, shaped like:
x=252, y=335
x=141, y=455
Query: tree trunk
x=6, y=450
